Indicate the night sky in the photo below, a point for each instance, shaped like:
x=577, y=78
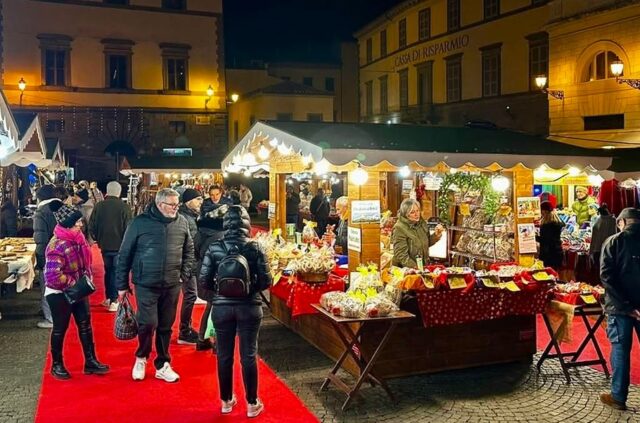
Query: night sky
x=293, y=30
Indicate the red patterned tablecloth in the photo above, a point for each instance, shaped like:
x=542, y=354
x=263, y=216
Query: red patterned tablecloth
x=455, y=307
x=299, y=295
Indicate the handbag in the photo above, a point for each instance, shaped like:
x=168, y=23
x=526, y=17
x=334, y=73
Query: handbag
x=126, y=325
x=80, y=290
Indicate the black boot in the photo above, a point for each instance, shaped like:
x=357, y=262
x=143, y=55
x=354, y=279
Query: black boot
x=58, y=370
x=91, y=364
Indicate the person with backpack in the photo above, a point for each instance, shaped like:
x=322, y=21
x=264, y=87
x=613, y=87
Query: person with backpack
x=237, y=270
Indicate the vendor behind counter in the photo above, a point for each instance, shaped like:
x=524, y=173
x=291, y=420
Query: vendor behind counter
x=411, y=238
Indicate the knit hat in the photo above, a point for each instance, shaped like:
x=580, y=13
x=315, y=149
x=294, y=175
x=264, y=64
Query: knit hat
x=546, y=206
x=83, y=194
x=67, y=216
x=629, y=213
x=582, y=188
x=46, y=192
x=189, y=194
x=114, y=189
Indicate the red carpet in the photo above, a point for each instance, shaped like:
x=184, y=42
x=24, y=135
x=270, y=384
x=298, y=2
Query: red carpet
x=116, y=398
x=579, y=332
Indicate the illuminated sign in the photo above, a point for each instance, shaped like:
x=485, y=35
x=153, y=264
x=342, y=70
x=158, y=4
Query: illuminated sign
x=177, y=152
x=420, y=54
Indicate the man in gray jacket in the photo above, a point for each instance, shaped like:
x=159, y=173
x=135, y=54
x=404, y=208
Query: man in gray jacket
x=157, y=248
x=620, y=276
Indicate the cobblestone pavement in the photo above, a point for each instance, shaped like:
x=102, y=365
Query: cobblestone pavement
x=505, y=393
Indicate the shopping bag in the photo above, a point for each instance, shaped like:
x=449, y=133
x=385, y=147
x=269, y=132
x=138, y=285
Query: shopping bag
x=126, y=325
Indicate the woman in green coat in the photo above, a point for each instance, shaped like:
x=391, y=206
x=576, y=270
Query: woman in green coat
x=411, y=236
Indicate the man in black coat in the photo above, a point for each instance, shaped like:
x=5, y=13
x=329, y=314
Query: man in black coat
x=107, y=224
x=190, y=210
x=620, y=276
x=43, y=223
x=158, y=249
x=320, y=209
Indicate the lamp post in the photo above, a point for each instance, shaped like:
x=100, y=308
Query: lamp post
x=22, y=85
x=617, y=67
x=210, y=93
x=541, y=82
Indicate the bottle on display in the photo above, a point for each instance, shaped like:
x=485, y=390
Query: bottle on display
x=420, y=263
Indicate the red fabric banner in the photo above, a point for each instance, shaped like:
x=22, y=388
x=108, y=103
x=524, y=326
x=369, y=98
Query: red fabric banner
x=455, y=307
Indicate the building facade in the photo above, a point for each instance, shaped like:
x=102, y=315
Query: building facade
x=449, y=62
x=585, y=38
x=108, y=76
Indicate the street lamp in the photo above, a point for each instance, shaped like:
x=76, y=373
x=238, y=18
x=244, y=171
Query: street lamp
x=22, y=85
x=541, y=82
x=210, y=93
x=234, y=97
x=617, y=67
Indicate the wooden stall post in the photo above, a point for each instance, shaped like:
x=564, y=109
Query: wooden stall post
x=522, y=187
x=370, y=232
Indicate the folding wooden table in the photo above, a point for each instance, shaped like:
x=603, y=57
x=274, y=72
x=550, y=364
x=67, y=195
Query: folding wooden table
x=584, y=311
x=351, y=341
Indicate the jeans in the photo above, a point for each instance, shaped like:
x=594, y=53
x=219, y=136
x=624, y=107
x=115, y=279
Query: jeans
x=110, y=259
x=245, y=321
x=620, y=333
x=44, y=304
x=189, y=296
x=61, y=313
x=157, y=309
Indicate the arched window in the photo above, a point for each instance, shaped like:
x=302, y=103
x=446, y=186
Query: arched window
x=599, y=67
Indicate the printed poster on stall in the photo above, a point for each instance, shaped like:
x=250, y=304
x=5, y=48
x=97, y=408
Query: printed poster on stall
x=271, y=211
x=526, y=238
x=354, y=239
x=528, y=207
x=365, y=211
x=407, y=186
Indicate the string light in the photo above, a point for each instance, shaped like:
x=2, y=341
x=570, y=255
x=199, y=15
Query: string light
x=263, y=153
x=360, y=176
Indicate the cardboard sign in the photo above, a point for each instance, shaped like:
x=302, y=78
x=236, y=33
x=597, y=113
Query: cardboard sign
x=407, y=186
x=271, y=211
x=527, y=238
x=365, y=211
x=354, y=239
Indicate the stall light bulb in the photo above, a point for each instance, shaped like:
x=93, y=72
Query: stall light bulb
x=500, y=183
x=225, y=174
x=167, y=175
x=283, y=149
x=321, y=167
x=539, y=173
x=247, y=173
x=405, y=171
x=574, y=171
x=595, y=180
x=273, y=142
x=359, y=176
x=263, y=153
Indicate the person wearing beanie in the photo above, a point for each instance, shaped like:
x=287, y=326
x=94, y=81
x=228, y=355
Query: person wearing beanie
x=237, y=315
x=107, y=225
x=68, y=259
x=549, y=238
x=44, y=222
x=190, y=209
x=620, y=276
x=581, y=205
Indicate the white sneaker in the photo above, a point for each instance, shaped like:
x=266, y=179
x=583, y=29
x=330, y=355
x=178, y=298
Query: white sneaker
x=227, y=406
x=254, y=410
x=45, y=324
x=106, y=303
x=139, y=369
x=200, y=301
x=113, y=306
x=167, y=374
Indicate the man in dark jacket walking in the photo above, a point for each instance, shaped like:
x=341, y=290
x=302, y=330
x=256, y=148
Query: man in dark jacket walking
x=620, y=276
x=107, y=224
x=43, y=223
x=158, y=249
x=190, y=210
x=237, y=314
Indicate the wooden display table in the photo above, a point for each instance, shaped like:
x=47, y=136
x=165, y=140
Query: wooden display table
x=352, y=347
x=584, y=311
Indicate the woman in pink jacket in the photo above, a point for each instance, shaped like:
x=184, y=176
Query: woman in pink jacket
x=68, y=258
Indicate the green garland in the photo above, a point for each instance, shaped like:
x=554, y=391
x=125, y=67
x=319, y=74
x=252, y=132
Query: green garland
x=465, y=183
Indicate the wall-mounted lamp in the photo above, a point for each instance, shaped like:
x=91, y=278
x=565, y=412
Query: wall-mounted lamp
x=234, y=97
x=541, y=82
x=22, y=85
x=617, y=67
x=210, y=93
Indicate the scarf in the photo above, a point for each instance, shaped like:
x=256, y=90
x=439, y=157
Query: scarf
x=76, y=237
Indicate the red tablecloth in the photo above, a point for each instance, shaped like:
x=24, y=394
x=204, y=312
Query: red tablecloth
x=455, y=307
x=299, y=295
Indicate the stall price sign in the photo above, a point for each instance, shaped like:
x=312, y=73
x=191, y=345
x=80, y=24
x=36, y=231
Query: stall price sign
x=365, y=211
x=271, y=213
x=354, y=239
x=527, y=238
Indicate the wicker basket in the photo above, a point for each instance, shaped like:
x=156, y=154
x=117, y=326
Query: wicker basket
x=313, y=277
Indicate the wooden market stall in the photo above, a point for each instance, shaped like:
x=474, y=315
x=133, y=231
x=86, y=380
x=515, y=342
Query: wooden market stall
x=374, y=158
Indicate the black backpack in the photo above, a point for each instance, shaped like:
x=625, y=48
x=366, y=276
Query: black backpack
x=233, y=278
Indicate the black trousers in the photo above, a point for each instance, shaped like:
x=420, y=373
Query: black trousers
x=157, y=308
x=204, y=321
x=189, y=296
x=61, y=311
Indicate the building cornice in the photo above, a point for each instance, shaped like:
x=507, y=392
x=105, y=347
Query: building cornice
x=133, y=8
